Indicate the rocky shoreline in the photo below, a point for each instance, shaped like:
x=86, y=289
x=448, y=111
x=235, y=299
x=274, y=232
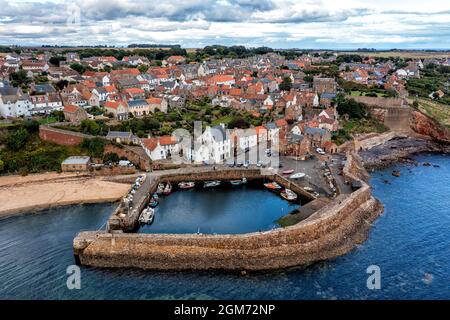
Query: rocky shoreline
x=399, y=150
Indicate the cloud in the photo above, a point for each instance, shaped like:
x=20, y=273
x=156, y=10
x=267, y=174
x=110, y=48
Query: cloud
x=280, y=23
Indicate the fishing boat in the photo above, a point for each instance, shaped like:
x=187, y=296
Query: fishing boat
x=238, y=182
x=186, y=185
x=147, y=216
x=297, y=175
x=153, y=203
x=289, y=195
x=272, y=186
x=167, y=189
x=160, y=189
x=155, y=196
x=210, y=184
x=289, y=171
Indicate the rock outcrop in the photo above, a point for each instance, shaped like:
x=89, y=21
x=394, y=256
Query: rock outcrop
x=424, y=125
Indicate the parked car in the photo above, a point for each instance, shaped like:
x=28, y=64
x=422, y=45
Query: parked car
x=320, y=151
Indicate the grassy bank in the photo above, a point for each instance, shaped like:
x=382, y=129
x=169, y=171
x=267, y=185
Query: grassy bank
x=357, y=126
x=437, y=111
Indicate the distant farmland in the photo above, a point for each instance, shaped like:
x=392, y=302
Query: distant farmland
x=402, y=54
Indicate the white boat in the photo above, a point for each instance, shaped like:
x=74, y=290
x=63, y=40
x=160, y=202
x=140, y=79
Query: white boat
x=289, y=195
x=209, y=184
x=160, y=189
x=186, y=185
x=167, y=189
x=147, y=216
x=238, y=182
x=297, y=175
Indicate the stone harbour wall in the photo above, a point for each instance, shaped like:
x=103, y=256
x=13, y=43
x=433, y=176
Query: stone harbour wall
x=331, y=231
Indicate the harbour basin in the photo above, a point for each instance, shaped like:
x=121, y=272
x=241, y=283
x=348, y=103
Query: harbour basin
x=224, y=209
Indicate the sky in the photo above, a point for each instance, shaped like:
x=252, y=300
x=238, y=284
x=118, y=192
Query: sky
x=306, y=24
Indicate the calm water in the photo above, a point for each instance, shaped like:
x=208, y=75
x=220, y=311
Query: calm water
x=410, y=243
x=219, y=210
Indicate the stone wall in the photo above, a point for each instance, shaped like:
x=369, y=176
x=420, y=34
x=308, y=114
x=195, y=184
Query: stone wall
x=331, y=231
x=139, y=158
x=61, y=137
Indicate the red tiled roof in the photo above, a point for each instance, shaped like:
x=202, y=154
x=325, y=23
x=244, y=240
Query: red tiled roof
x=151, y=143
x=71, y=108
x=134, y=90
x=154, y=100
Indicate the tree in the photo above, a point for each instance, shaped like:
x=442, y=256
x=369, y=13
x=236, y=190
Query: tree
x=19, y=78
x=61, y=84
x=16, y=140
x=354, y=109
x=238, y=122
x=56, y=60
x=2, y=166
x=111, y=156
x=95, y=147
x=143, y=68
x=78, y=67
x=90, y=126
x=59, y=115
x=286, y=84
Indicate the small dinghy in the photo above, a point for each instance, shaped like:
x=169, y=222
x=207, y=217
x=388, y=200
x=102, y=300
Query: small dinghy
x=289, y=195
x=186, y=185
x=297, y=175
x=289, y=171
x=210, y=184
x=153, y=203
x=272, y=186
x=238, y=182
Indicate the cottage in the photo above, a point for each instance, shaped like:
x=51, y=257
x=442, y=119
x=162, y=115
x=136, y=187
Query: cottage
x=160, y=148
x=74, y=113
x=118, y=109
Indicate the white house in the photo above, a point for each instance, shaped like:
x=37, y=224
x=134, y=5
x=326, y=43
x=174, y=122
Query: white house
x=13, y=103
x=160, y=148
x=215, y=146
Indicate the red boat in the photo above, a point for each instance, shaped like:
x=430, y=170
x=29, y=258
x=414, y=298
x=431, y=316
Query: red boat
x=288, y=171
x=272, y=186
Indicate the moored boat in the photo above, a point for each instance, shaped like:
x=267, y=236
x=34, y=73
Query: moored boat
x=289, y=171
x=153, y=203
x=238, y=182
x=272, y=186
x=167, y=189
x=186, y=185
x=210, y=184
x=297, y=175
x=289, y=195
x=147, y=216
x=160, y=189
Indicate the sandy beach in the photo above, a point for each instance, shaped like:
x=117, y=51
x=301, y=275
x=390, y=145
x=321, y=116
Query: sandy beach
x=20, y=194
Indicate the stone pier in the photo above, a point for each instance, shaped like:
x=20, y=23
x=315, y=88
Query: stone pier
x=331, y=231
